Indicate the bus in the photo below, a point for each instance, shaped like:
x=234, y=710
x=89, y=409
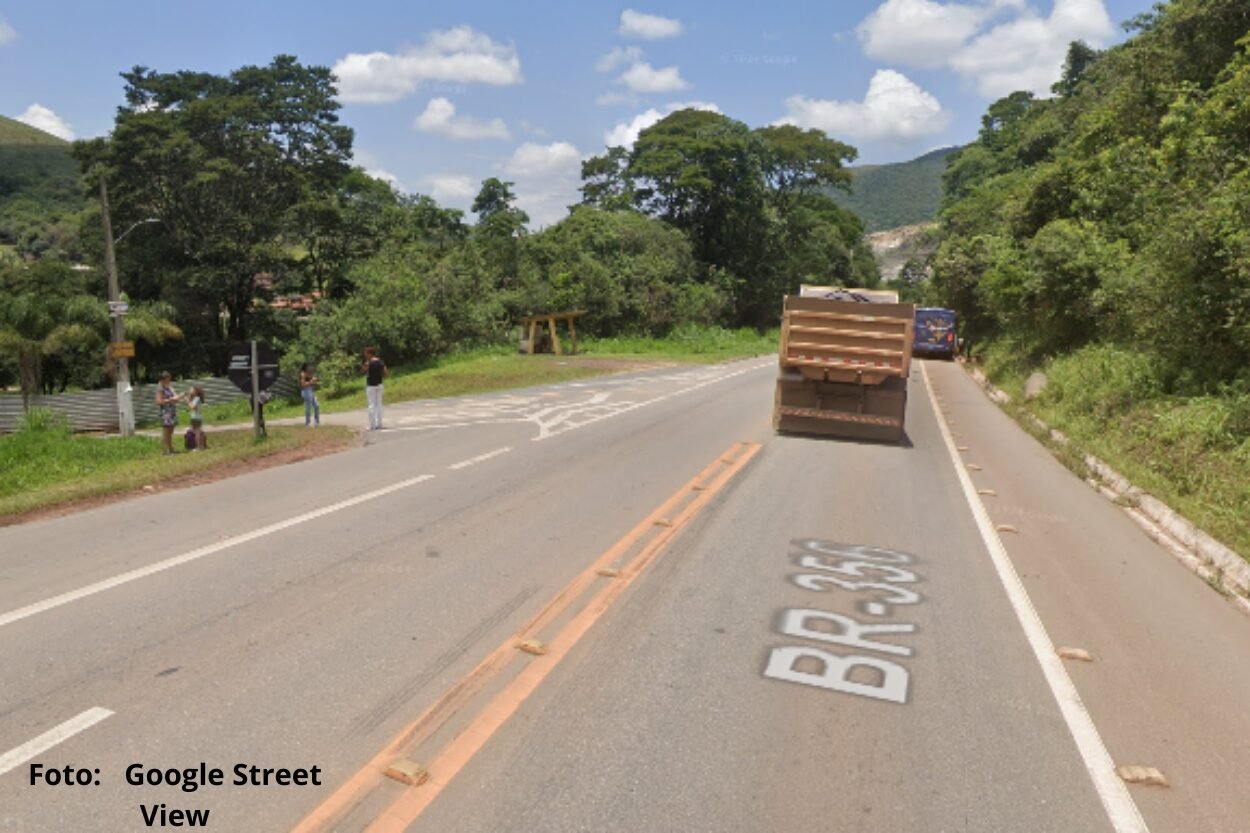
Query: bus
x=935, y=333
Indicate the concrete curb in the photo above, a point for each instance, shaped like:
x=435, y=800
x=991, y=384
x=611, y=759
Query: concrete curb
x=1215, y=563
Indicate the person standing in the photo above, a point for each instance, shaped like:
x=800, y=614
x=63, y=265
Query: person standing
x=375, y=371
x=195, y=401
x=308, y=390
x=167, y=400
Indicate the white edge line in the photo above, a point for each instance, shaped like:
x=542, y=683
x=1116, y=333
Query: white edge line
x=1119, y=805
x=58, y=734
x=178, y=560
x=479, y=458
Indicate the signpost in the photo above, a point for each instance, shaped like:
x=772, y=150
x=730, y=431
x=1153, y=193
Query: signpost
x=122, y=349
x=254, y=368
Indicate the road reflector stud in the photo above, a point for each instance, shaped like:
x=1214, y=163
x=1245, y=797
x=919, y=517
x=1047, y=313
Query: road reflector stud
x=989, y=492
x=1006, y=528
x=1074, y=653
x=974, y=467
x=961, y=448
x=699, y=487
x=1142, y=775
x=407, y=772
x=609, y=573
x=533, y=646
x=663, y=522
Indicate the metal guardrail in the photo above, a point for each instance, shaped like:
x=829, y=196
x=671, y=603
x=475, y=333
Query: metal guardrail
x=96, y=410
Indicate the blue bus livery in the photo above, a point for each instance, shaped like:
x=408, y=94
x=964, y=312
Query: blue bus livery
x=935, y=332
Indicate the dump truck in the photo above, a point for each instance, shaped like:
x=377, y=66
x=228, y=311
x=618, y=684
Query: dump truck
x=844, y=360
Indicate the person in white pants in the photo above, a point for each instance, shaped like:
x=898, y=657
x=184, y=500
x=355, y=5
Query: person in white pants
x=375, y=371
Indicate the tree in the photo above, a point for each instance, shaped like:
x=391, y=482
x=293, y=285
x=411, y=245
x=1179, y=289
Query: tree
x=798, y=161
x=54, y=326
x=499, y=225
x=231, y=165
x=606, y=182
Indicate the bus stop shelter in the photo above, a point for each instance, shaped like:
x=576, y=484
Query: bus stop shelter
x=532, y=324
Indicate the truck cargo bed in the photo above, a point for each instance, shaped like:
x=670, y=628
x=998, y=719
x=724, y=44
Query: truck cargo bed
x=844, y=368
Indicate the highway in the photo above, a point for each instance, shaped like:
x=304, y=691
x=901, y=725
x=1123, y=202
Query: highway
x=727, y=630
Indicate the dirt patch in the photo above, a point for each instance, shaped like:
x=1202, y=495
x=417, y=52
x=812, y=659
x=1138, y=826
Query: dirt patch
x=232, y=468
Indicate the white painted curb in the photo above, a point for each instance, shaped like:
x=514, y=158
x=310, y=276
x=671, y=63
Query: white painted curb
x=1214, y=562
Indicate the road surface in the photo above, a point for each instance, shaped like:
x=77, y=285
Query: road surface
x=732, y=631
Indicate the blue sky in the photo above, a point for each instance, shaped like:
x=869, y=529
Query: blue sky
x=444, y=95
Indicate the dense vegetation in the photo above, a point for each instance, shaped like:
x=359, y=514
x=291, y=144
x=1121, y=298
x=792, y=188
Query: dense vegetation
x=900, y=194
x=1104, y=234
x=235, y=193
x=40, y=191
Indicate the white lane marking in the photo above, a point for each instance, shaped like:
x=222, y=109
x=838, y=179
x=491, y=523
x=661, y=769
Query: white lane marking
x=463, y=464
x=545, y=431
x=58, y=734
x=178, y=560
x=1119, y=805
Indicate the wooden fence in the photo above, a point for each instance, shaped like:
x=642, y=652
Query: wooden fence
x=96, y=410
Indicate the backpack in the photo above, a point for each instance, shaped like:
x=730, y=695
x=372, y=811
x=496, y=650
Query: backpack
x=189, y=439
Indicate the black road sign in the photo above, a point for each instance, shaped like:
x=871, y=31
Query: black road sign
x=240, y=371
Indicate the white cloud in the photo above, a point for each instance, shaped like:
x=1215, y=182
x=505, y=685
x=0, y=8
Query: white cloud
x=924, y=33
x=532, y=159
x=1022, y=51
x=547, y=179
x=386, y=176
x=626, y=133
x=454, y=190
x=641, y=77
x=618, y=57
x=1028, y=53
x=894, y=108
x=460, y=55
x=440, y=117
x=37, y=115
x=648, y=26
x=7, y=33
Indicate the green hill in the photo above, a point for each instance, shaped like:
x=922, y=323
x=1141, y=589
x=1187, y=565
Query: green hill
x=900, y=194
x=40, y=185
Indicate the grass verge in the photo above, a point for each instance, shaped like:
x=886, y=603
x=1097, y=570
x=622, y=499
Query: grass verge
x=46, y=466
x=1193, y=453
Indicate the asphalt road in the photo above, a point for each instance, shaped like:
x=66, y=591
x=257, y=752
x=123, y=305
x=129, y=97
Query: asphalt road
x=790, y=634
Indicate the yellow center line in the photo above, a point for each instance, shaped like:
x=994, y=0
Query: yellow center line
x=452, y=758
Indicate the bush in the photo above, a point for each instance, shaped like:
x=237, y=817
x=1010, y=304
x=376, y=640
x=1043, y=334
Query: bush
x=44, y=421
x=1102, y=382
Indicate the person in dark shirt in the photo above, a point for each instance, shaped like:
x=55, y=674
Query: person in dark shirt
x=375, y=371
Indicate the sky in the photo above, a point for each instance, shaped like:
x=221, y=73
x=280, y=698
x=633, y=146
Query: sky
x=444, y=95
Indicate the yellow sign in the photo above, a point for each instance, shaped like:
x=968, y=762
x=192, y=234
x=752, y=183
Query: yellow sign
x=123, y=349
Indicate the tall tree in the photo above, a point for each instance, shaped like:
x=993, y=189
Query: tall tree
x=227, y=163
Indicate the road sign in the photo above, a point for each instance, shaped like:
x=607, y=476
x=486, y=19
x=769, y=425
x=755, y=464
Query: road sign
x=118, y=308
x=122, y=349
x=240, y=371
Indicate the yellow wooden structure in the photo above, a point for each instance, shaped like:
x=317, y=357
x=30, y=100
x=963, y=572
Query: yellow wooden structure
x=532, y=323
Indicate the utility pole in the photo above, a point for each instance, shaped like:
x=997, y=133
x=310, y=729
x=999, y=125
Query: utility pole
x=125, y=406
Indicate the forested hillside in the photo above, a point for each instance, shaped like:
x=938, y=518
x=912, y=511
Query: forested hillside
x=900, y=194
x=1104, y=235
x=40, y=187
